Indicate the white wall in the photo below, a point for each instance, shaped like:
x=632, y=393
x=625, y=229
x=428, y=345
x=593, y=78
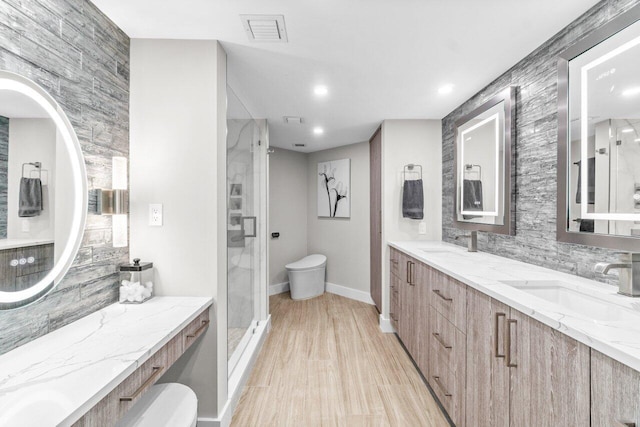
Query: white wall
x=345, y=241
x=31, y=140
x=404, y=142
x=178, y=146
x=287, y=211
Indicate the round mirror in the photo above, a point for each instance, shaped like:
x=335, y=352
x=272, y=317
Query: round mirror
x=43, y=192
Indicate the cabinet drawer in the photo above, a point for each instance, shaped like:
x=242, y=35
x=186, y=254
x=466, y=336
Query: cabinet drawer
x=449, y=298
x=447, y=344
x=447, y=365
x=194, y=329
x=394, y=299
x=394, y=262
x=449, y=388
x=113, y=407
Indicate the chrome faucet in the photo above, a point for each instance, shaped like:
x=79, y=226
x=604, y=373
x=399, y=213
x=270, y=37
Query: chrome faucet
x=629, y=277
x=472, y=245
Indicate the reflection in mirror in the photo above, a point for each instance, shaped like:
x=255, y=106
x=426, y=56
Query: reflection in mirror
x=603, y=149
x=482, y=146
x=42, y=204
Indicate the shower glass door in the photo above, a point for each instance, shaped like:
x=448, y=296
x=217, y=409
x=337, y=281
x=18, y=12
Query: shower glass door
x=244, y=174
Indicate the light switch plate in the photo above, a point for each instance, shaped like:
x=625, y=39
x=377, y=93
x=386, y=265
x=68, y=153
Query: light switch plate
x=155, y=214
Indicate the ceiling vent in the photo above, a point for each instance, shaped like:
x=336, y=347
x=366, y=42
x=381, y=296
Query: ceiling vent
x=290, y=120
x=265, y=28
x=298, y=145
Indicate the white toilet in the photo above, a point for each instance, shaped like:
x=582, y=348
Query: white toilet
x=170, y=405
x=306, y=276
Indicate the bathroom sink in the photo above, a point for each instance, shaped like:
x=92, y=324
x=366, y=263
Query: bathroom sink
x=582, y=304
x=435, y=250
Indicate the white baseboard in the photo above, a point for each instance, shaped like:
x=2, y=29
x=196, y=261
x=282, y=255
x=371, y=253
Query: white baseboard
x=350, y=293
x=343, y=291
x=239, y=378
x=278, y=288
x=385, y=325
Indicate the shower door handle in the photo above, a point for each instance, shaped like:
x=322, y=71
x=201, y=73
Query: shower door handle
x=254, y=227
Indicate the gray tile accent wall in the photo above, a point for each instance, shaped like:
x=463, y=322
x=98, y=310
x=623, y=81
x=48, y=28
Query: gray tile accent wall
x=82, y=59
x=4, y=170
x=535, y=156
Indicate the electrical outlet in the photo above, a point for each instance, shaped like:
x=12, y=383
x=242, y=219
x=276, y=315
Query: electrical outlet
x=422, y=228
x=155, y=214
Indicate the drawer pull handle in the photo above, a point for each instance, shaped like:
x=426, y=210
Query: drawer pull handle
x=618, y=423
x=437, y=381
x=498, y=316
x=409, y=272
x=437, y=337
x=157, y=370
x=510, y=363
x=199, y=330
x=437, y=292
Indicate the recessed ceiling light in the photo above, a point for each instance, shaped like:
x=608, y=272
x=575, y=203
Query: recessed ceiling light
x=318, y=130
x=443, y=90
x=631, y=91
x=320, y=90
x=627, y=130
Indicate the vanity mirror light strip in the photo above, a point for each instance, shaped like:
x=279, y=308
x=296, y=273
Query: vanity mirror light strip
x=584, y=136
x=496, y=119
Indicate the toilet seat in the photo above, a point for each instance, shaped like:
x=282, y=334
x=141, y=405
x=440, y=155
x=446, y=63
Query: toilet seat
x=171, y=405
x=308, y=262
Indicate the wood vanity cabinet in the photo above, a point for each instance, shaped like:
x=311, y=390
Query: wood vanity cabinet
x=521, y=372
x=408, y=314
x=446, y=360
x=113, y=407
x=615, y=393
x=410, y=304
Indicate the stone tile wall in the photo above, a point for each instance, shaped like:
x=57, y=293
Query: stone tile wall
x=535, y=156
x=82, y=59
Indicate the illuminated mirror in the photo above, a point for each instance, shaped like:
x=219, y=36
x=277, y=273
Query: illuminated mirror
x=483, y=166
x=43, y=196
x=599, y=138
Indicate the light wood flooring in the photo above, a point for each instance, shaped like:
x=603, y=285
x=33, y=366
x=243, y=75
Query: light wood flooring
x=326, y=363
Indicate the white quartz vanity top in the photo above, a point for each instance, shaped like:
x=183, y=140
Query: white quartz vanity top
x=56, y=378
x=618, y=339
x=22, y=243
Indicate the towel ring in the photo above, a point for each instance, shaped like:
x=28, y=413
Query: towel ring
x=37, y=165
x=410, y=168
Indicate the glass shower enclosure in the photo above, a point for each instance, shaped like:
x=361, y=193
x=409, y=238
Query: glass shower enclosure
x=246, y=174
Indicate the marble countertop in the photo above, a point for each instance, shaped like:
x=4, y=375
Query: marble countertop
x=21, y=243
x=55, y=379
x=618, y=339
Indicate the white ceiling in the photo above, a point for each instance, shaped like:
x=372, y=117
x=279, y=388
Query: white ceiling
x=380, y=59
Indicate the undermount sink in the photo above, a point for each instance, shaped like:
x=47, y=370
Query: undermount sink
x=582, y=304
x=436, y=250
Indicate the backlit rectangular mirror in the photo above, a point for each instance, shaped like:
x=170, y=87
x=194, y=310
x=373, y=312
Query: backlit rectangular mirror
x=599, y=137
x=483, y=140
